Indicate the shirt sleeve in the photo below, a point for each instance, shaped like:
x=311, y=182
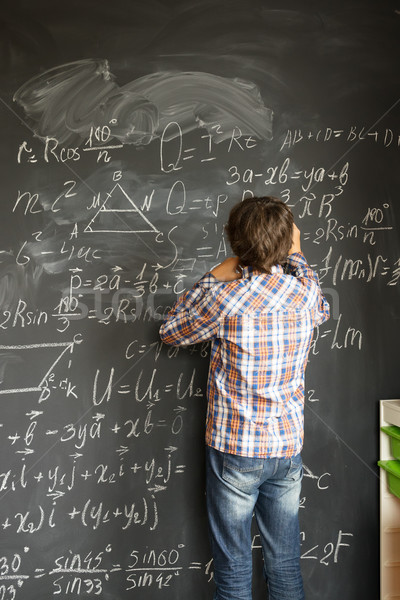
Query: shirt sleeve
x=297, y=266
x=194, y=317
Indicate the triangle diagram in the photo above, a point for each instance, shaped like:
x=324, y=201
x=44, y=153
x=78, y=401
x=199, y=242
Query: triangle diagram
x=119, y=214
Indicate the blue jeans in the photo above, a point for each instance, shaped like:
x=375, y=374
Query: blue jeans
x=237, y=487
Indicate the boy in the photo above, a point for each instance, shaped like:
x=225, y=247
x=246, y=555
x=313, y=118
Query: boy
x=259, y=310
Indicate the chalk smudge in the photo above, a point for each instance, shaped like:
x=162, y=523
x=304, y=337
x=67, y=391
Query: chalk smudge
x=64, y=102
x=17, y=281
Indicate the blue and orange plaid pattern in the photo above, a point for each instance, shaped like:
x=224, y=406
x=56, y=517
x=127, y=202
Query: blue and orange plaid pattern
x=261, y=329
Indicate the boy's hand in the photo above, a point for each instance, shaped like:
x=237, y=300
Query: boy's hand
x=228, y=270
x=295, y=240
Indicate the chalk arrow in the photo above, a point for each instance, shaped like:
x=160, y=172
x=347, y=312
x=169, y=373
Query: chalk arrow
x=56, y=495
x=157, y=267
x=34, y=413
x=122, y=450
x=98, y=416
x=157, y=488
x=76, y=455
x=171, y=449
x=180, y=409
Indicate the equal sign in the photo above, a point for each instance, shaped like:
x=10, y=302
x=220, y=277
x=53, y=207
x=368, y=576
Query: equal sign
x=180, y=468
x=191, y=155
x=205, y=248
x=326, y=333
x=124, y=391
x=40, y=573
x=195, y=565
x=196, y=207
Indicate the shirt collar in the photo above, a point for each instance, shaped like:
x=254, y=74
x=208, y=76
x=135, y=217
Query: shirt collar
x=248, y=272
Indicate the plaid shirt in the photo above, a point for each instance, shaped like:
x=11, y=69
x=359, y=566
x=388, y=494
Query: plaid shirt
x=261, y=329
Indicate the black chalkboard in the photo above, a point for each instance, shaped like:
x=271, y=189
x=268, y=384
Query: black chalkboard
x=128, y=131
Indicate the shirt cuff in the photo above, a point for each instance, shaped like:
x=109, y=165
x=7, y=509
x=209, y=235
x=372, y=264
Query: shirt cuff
x=297, y=259
x=208, y=281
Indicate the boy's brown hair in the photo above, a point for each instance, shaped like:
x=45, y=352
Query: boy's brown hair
x=260, y=232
